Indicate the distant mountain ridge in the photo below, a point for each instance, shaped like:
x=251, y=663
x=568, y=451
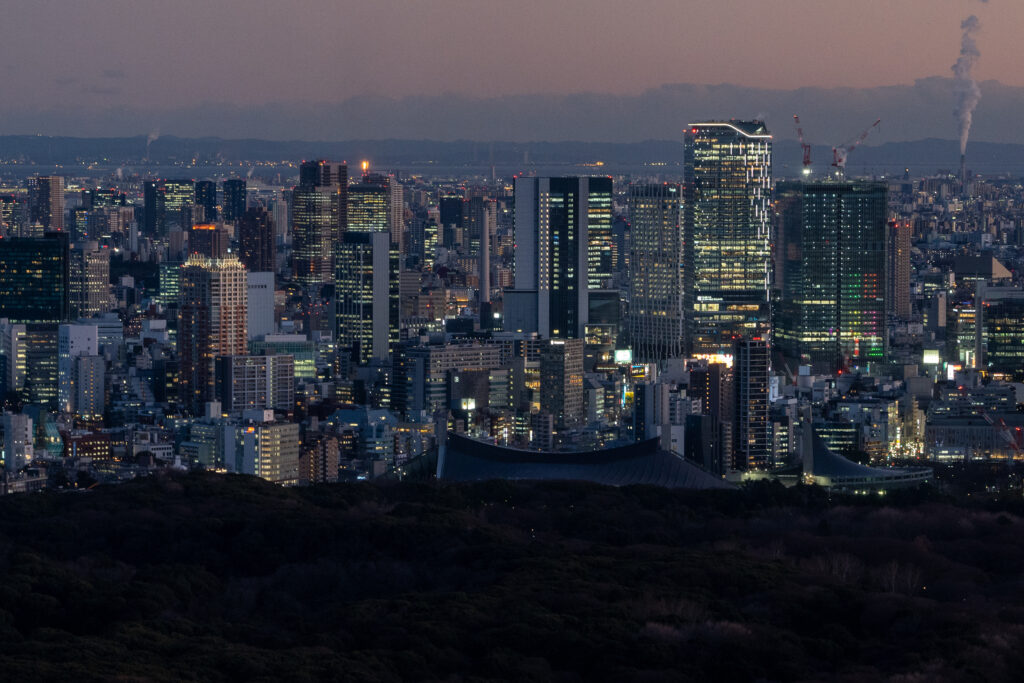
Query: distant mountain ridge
x=915, y=111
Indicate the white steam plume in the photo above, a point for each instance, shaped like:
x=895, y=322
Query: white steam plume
x=964, y=86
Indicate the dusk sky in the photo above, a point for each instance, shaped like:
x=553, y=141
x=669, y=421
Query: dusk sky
x=170, y=54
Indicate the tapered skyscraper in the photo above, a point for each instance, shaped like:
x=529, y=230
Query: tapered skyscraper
x=728, y=173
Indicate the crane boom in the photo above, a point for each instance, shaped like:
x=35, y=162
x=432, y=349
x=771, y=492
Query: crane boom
x=841, y=152
x=806, y=148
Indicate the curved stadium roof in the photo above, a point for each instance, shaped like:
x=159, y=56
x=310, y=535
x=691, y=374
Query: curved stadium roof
x=466, y=459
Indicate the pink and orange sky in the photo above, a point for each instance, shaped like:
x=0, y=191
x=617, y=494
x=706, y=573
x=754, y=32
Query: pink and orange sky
x=170, y=53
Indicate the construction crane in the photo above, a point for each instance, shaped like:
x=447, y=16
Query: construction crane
x=840, y=153
x=803, y=145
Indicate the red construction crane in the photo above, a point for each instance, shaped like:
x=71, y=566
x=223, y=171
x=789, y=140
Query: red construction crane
x=803, y=145
x=840, y=153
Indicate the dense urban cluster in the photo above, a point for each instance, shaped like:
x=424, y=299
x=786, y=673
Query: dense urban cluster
x=339, y=322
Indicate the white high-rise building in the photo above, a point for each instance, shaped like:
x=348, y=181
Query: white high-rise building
x=18, y=440
x=73, y=341
x=260, y=308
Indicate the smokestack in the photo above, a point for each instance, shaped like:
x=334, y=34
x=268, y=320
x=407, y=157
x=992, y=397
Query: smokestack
x=964, y=87
x=963, y=175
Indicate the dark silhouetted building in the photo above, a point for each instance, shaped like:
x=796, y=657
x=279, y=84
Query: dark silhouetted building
x=256, y=240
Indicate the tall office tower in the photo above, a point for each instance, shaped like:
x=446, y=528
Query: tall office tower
x=234, y=204
x=73, y=341
x=656, y=322
x=369, y=208
x=13, y=357
x=474, y=225
x=34, y=291
x=89, y=283
x=366, y=295
x=211, y=323
x=46, y=201
x=898, y=269
x=562, y=227
x=561, y=389
x=832, y=308
x=319, y=211
x=395, y=206
x=103, y=197
x=726, y=218
x=12, y=215
x=256, y=240
x=209, y=240
x=261, y=318
x=450, y=210
x=752, y=431
x=256, y=383
x=314, y=211
x=154, y=215
x=332, y=176
x=179, y=201
x=206, y=198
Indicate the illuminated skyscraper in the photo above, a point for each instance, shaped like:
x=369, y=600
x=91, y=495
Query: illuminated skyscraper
x=369, y=208
x=727, y=213
x=211, y=323
x=562, y=251
x=656, y=321
x=366, y=290
x=319, y=214
x=89, y=282
x=34, y=291
x=833, y=250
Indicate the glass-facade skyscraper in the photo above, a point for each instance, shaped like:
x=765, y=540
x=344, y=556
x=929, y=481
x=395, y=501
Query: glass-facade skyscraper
x=832, y=256
x=727, y=210
x=656, y=321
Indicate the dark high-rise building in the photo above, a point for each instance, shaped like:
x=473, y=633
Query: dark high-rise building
x=234, y=199
x=206, y=198
x=208, y=239
x=832, y=306
x=102, y=197
x=46, y=201
x=154, y=215
x=752, y=431
x=561, y=387
x=726, y=212
x=450, y=209
x=34, y=276
x=256, y=240
x=656, y=322
x=562, y=236
x=34, y=292
x=366, y=295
